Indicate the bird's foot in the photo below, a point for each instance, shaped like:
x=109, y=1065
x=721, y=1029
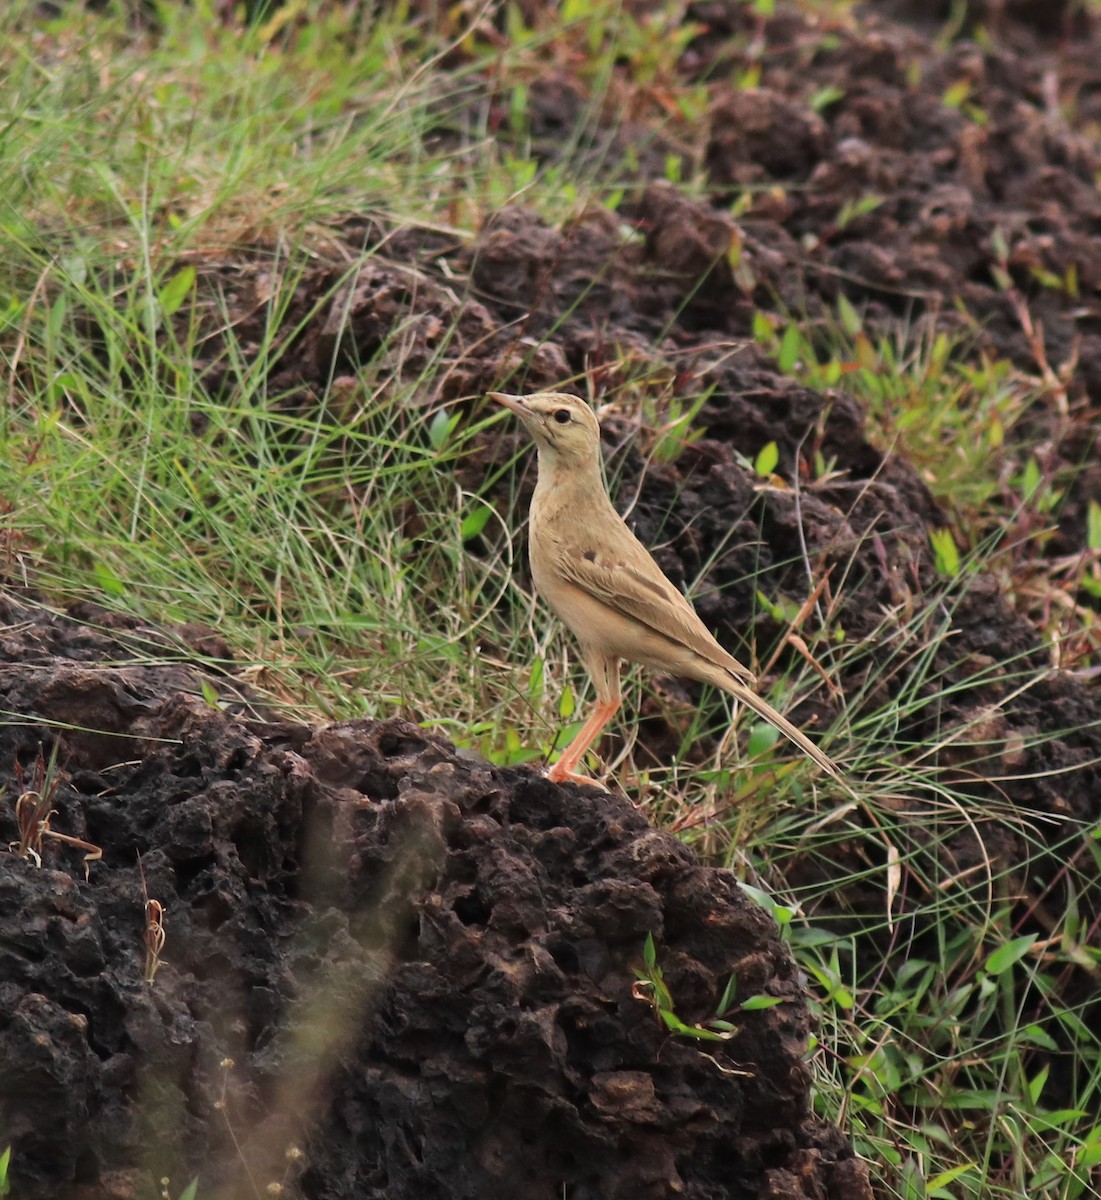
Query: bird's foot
x=559, y=774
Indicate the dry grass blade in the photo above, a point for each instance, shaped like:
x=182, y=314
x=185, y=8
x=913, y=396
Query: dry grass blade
x=33, y=813
x=154, y=937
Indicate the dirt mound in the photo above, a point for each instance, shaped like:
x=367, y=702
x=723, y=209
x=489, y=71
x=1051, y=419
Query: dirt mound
x=389, y=970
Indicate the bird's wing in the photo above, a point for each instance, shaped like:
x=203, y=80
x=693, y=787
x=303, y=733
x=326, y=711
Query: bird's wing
x=629, y=582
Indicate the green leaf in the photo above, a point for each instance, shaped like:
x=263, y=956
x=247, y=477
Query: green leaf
x=790, y=345
x=1036, y=1035
x=781, y=913
x=850, y=318
x=762, y=738
x=726, y=1000
x=518, y=109
x=1059, y=1116
x=59, y=388
x=1009, y=953
x=774, y=610
x=673, y=1022
x=835, y=990
x=515, y=27
x=945, y=553
x=675, y=1025
x=566, y=734
x=1093, y=525
x=1074, y=1025
x=1089, y=1155
x=767, y=459
x=763, y=333
x=108, y=580
x=757, y=1003
x=663, y=998
x=5, y=1160
x=567, y=704
x=825, y=96
x=757, y=895
x=649, y=951
x=1031, y=478
x=191, y=1191
x=440, y=429
x=811, y=938
x=867, y=203
x=475, y=522
x=535, y=679
x=937, y=1183
x=56, y=319
x=955, y=95
x=175, y=291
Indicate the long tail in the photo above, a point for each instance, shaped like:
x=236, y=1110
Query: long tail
x=763, y=709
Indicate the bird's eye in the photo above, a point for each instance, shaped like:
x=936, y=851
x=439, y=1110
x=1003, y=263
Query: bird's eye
x=562, y=416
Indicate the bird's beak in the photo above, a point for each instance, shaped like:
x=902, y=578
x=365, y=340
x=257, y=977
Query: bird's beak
x=516, y=403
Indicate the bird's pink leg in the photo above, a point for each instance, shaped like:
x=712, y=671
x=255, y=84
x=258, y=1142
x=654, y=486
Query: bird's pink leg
x=563, y=769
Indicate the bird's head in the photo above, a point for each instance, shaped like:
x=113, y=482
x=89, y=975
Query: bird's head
x=564, y=428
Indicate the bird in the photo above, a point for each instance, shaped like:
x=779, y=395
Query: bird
x=605, y=586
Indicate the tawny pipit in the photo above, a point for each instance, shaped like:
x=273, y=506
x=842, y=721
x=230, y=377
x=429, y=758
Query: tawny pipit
x=604, y=585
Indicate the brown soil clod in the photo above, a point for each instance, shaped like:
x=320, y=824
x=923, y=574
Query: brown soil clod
x=413, y=967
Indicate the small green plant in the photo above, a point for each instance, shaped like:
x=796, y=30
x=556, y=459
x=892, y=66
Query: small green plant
x=5, y=1163
x=1067, y=282
x=666, y=413
x=675, y=433
x=767, y=460
x=861, y=206
x=649, y=45
x=946, y=554
x=957, y=94
x=825, y=96
x=652, y=988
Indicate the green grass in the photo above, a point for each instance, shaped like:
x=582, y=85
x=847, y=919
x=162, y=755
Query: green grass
x=966, y=423
x=314, y=540
x=325, y=533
